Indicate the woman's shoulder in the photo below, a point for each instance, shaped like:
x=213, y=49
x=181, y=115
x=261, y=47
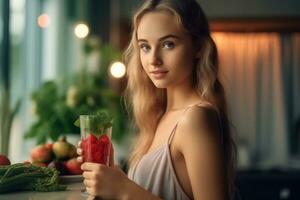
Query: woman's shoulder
x=199, y=127
x=202, y=115
x=198, y=123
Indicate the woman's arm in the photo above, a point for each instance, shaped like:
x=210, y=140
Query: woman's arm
x=136, y=192
x=199, y=141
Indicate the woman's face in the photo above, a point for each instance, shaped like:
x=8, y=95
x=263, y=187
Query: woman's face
x=166, y=51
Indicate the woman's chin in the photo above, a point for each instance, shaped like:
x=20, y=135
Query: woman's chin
x=160, y=85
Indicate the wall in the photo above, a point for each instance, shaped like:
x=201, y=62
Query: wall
x=250, y=8
x=234, y=8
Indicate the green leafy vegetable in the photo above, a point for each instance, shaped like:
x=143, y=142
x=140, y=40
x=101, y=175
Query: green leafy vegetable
x=29, y=177
x=98, y=123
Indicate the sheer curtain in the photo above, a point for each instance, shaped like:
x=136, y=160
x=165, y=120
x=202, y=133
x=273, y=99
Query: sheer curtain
x=256, y=76
x=291, y=75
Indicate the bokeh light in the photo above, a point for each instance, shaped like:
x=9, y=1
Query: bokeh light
x=43, y=20
x=81, y=30
x=117, y=70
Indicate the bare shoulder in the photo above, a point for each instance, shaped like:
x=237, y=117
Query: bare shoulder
x=199, y=143
x=200, y=117
x=199, y=125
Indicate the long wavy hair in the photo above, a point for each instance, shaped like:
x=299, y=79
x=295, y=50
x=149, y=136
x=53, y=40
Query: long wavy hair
x=147, y=104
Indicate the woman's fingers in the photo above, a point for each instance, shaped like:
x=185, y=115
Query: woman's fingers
x=88, y=175
x=111, y=156
x=91, y=197
x=88, y=182
x=80, y=159
x=90, y=191
x=90, y=186
x=79, y=151
x=89, y=166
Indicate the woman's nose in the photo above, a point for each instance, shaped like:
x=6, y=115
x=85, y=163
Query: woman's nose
x=155, y=58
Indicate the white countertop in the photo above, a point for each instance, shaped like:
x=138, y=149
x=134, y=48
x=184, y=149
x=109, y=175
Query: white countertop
x=73, y=192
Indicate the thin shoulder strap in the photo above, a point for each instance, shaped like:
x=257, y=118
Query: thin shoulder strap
x=175, y=127
x=200, y=105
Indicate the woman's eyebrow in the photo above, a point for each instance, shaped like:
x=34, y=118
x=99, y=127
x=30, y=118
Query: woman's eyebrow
x=162, y=38
x=169, y=36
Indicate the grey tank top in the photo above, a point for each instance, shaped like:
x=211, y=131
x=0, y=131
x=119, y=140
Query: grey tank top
x=155, y=171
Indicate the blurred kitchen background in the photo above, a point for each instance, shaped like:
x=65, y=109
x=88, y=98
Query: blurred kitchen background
x=62, y=58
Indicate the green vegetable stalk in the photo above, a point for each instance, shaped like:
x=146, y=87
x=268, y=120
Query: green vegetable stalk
x=29, y=177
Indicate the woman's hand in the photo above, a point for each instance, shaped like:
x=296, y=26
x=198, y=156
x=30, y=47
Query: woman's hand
x=104, y=181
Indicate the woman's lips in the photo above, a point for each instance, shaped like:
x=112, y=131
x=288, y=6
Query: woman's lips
x=159, y=74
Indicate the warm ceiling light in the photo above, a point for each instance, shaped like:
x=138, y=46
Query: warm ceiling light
x=43, y=20
x=81, y=30
x=117, y=70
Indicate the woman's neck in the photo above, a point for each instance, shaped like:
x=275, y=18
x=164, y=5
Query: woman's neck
x=181, y=97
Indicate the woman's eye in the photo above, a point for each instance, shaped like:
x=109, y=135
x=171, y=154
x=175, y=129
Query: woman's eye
x=168, y=45
x=145, y=47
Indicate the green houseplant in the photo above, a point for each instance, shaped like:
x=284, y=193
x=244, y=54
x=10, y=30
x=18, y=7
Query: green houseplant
x=56, y=106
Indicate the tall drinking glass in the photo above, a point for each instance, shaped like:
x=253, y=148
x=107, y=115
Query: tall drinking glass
x=95, y=140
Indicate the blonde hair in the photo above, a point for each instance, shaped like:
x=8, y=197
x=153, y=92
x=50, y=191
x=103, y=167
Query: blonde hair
x=147, y=103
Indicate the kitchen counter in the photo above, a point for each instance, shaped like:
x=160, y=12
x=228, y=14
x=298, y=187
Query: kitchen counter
x=73, y=192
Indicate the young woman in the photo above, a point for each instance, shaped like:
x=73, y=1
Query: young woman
x=184, y=148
